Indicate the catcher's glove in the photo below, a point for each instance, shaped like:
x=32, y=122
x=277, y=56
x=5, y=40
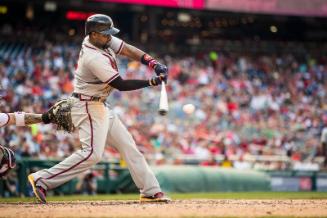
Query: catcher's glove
x=60, y=114
x=7, y=160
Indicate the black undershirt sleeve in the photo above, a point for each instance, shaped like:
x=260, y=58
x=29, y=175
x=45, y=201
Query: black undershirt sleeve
x=128, y=85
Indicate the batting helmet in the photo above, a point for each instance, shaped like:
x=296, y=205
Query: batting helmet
x=7, y=160
x=100, y=23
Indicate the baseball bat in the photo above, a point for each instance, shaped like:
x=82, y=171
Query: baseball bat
x=163, y=105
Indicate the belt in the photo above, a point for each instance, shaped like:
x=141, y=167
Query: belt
x=82, y=97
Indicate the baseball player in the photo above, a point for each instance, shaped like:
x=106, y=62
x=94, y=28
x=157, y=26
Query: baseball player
x=96, y=76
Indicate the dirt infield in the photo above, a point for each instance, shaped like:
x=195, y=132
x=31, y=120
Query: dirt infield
x=179, y=208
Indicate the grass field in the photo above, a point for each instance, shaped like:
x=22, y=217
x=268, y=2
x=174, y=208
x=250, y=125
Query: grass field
x=184, y=196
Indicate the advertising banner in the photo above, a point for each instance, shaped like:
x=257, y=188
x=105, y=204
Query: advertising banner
x=193, y=4
x=285, y=7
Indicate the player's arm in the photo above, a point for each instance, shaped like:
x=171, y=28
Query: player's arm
x=134, y=84
x=103, y=70
x=136, y=54
x=131, y=52
x=122, y=48
x=19, y=119
x=57, y=114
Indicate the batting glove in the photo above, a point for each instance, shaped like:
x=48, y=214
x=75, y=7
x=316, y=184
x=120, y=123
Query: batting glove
x=160, y=69
x=155, y=81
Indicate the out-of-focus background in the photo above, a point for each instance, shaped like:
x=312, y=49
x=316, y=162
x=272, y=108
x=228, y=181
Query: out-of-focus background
x=247, y=92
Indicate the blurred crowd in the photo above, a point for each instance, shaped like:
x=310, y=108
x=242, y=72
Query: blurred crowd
x=233, y=109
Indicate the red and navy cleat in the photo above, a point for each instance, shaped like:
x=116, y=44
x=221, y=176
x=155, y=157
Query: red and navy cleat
x=39, y=192
x=159, y=197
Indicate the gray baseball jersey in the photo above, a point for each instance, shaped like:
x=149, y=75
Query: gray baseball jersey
x=97, y=124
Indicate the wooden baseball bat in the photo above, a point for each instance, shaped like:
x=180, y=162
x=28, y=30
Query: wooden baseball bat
x=163, y=105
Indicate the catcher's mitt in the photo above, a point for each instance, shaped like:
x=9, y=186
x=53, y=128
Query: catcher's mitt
x=7, y=160
x=60, y=114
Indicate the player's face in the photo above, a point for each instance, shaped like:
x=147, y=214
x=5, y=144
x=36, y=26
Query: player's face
x=100, y=40
x=104, y=38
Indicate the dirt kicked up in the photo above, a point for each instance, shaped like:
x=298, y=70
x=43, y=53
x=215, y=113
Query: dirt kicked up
x=178, y=208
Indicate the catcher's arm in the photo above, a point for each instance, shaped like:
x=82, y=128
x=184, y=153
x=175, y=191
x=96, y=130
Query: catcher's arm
x=58, y=114
x=29, y=118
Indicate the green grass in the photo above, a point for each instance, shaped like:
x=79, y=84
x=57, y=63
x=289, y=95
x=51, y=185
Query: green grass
x=184, y=196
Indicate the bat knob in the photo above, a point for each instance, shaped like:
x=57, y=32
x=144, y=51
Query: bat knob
x=162, y=112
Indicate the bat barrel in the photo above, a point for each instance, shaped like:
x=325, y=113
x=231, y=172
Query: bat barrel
x=163, y=106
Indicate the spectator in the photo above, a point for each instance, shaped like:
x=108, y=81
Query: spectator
x=226, y=163
x=210, y=162
x=323, y=141
x=267, y=105
x=87, y=184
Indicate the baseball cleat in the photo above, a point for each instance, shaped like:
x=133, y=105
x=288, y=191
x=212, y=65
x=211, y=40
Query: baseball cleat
x=159, y=197
x=39, y=192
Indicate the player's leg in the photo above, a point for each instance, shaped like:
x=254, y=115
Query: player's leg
x=91, y=120
x=144, y=178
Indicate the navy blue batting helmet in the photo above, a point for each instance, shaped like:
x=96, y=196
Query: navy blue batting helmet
x=100, y=23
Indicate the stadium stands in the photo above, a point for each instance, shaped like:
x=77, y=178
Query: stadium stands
x=263, y=109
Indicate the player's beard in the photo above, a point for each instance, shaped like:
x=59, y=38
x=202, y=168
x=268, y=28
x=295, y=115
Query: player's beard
x=105, y=46
x=99, y=44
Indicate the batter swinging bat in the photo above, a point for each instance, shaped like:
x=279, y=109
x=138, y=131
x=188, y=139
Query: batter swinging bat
x=163, y=105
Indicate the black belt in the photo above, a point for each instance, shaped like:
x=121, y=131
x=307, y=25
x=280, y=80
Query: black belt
x=82, y=97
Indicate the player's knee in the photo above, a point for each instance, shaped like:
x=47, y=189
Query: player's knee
x=96, y=157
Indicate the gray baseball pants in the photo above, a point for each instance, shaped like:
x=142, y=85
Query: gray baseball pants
x=99, y=126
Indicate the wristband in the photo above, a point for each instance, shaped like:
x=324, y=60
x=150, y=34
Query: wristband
x=149, y=61
x=20, y=118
